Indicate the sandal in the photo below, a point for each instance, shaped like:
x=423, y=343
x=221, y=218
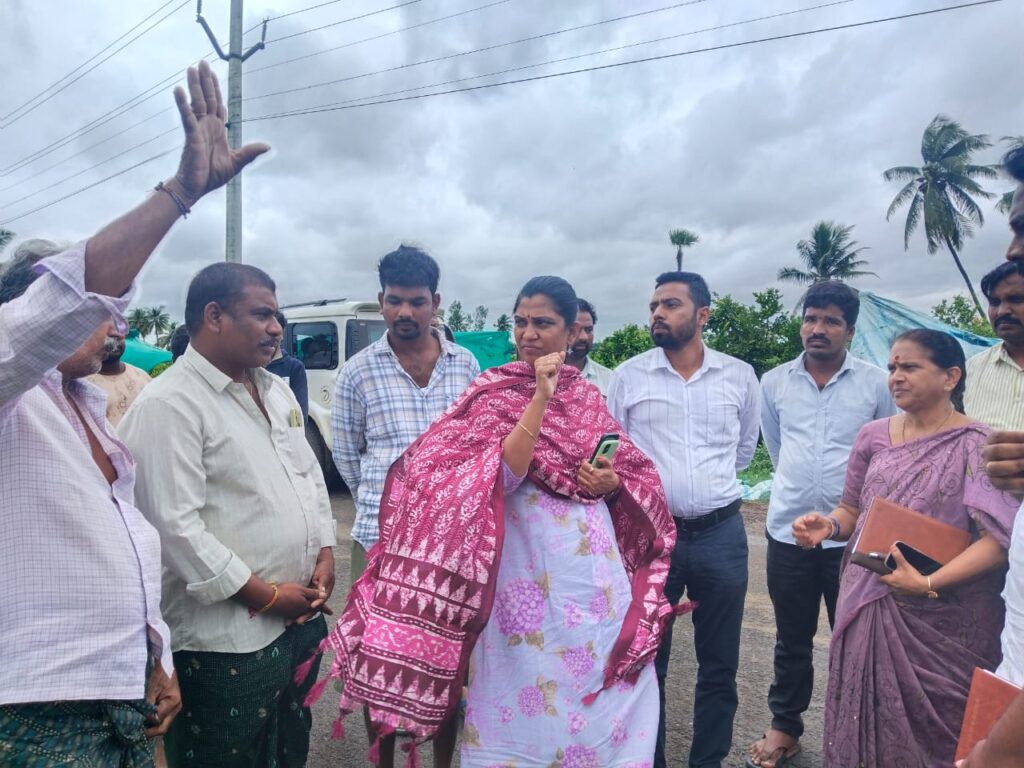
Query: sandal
x=777, y=758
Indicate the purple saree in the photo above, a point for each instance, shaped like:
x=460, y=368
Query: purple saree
x=900, y=667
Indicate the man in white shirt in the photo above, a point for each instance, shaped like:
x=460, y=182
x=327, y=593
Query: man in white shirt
x=578, y=355
x=80, y=605
x=1004, y=455
x=227, y=478
x=811, y=411
x=695, y=411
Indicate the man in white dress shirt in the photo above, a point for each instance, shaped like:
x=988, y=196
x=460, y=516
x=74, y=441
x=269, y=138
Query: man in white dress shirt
x=695, y=412
x=578, y=355
x=227, y=478
x=811, y=411
x=80, y=605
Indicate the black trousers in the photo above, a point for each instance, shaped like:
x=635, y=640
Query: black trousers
x=798, y=579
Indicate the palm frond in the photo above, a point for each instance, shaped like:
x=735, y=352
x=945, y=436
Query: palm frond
x=793, y=275
x=913, y=218
x=1005, y=202
x=965, y=204
x=908, y=191
x=902, y=173
x=683, y=237
x=967, y=145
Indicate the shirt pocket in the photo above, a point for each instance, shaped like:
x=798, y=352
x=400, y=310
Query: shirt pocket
x=303, y=458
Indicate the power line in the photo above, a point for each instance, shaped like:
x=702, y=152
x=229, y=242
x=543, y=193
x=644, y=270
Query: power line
x=86, y=170
x=366, y=15
x=94, y=66
x=726, y=46
x=84, y=63
x=662, y=57
x=481, y=50
x=564, y=59
x=89, y=186
x=380, y=36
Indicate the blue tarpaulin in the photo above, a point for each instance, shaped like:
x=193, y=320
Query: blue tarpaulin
x=881, y=319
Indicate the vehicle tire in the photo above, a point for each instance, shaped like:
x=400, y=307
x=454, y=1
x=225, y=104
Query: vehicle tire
x=323, y=456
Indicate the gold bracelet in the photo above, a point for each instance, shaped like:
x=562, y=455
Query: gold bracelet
x=931, y=594
x=520, y=425
x=268, y=606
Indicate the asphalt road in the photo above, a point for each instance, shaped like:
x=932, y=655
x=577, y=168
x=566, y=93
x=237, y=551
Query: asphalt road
x=754, y=677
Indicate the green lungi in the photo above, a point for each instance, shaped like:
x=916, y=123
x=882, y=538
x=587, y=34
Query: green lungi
x=78, y=734
x=244, y=710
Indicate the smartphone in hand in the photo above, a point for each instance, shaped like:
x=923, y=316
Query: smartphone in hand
x=606, y=446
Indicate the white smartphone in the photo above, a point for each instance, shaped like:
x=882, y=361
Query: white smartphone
x=606, y=446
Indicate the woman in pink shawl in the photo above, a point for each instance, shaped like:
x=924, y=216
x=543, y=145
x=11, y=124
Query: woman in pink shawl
x=905, y=645
x=508, y=562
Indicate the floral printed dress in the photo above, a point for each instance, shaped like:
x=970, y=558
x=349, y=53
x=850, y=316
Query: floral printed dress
x=562, y=592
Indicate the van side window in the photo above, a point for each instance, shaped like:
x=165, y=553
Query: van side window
x=314, y=344
x=359, y=334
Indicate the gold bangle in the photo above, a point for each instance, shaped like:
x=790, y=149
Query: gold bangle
x=520, y=425
x=931, y=594
x=268, y=606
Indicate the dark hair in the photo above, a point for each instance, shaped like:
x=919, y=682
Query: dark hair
x=1013, y=164
x=945, y=352
x=409, y=267
x=558, y=289
x=699, y=291
x=178, y=342
x=224, y=283
x=586, y=306
x=1000, y=273
x=19, y=272
x=821, y=295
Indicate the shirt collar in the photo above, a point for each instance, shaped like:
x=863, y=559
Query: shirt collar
x=799, y=365
x=216, y=378
x=712, y=359
x=383, y=347
x=1003, y=356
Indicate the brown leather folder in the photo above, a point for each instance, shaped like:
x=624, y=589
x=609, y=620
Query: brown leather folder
x=888, y=523
x=989, y=697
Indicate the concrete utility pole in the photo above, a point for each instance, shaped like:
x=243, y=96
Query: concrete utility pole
x=234, y=58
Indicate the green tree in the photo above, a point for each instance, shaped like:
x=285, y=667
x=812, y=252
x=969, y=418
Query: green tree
x=479, y=318
x=456, y=319
x=164, y=339
x=159, y=321
x=503, y=323
x=139, y=319
x=1006, y=199
x=5, y=237
x=959, y=313
x=627, y=341
x=682, y=238
x=942, y=191
x=830, y=254
x=762, y=334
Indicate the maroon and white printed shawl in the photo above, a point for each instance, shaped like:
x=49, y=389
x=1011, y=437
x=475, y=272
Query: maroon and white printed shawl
x=404, y=639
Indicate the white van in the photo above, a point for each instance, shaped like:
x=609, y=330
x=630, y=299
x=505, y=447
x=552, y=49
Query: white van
x=322, y=335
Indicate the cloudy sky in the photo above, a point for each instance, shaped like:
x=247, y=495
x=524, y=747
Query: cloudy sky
x=581, y=176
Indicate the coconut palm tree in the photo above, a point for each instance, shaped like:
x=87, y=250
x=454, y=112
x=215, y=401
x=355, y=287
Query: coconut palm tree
x=1006, y=199
x=830, y=254
x=138, y=319
x=5, y=237
x=159, y=320
x=682, y=238
x=942, y=191
x=164, y=339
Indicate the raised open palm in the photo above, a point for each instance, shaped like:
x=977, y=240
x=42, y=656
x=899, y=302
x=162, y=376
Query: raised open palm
x=207, y=162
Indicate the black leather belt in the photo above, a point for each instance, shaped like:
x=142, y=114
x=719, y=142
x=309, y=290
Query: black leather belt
x=711, y=519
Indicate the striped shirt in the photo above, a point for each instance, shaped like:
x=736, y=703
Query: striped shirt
x=80, y=566
x=995, y=389
x=379, y=410
x=699, y=433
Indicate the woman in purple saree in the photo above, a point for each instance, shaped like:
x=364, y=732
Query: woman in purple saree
x=905, y=645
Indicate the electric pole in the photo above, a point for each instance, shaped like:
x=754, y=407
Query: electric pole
x=234, y=58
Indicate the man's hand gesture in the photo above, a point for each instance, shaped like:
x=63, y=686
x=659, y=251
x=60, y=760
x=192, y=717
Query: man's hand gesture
x=207, y=162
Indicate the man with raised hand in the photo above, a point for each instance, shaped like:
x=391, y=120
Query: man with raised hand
x=86, y=676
